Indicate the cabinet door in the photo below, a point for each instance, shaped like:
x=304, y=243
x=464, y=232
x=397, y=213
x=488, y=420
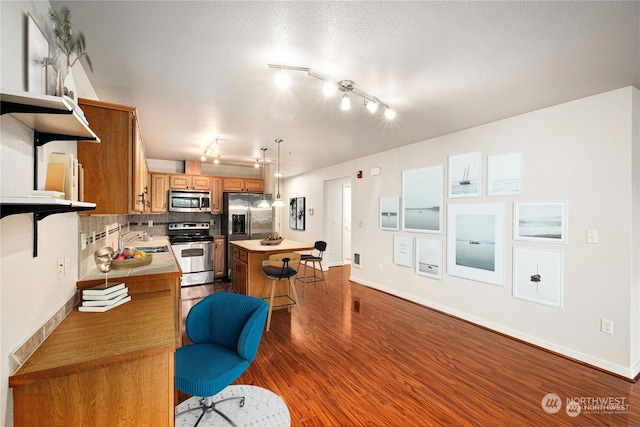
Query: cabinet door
x=159, y=196
x=233, y=184
x=218, y=257
x=200, y=182
x=179, y=182
x=140, y=190
x=216, y=195
x=108, y=167
x=253, y=185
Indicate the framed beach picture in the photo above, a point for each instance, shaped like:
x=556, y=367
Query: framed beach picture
x=540, y=221
x=476, y=242
x=504, y=174
x=429, y=258
x=422, y=199
x=465, y=175
x=538, y=276
x=37, y=58
x=403, y=250
x=390, y=213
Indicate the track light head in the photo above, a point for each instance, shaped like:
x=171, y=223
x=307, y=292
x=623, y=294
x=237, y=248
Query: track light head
x=345, y=104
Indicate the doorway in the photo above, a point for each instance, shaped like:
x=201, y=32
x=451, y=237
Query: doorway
x=337, y=221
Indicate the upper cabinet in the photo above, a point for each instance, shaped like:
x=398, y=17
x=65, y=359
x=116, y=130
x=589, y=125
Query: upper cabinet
x=114, y=176
x=189, y=182
x=242, y=185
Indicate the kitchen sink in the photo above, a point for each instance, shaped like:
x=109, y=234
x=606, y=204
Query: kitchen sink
x=153, y=249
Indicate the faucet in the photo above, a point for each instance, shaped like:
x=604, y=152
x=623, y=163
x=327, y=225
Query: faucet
x=121, y=241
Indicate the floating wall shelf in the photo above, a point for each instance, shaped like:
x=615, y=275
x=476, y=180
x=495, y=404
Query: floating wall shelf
x=52, y=118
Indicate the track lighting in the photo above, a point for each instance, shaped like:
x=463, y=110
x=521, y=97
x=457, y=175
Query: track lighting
x=328, y=87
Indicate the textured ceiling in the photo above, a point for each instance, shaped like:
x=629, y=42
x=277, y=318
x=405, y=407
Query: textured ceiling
x=198, y=69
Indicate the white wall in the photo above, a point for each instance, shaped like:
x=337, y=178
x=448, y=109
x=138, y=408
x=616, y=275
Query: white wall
x=29, y=290
x=585, y=152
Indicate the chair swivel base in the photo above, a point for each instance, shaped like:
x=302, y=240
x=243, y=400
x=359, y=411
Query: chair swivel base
x=208, y=405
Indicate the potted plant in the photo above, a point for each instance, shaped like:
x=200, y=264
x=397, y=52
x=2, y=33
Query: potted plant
x=72, y=47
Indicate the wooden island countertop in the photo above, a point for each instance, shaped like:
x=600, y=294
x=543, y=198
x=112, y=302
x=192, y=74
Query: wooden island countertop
x=247, y=259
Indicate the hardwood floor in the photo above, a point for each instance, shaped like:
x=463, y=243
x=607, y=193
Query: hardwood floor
x=366, y=358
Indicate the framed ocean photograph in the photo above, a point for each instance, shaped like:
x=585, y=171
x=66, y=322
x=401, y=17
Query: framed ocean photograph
x=538, y=276
x=429, y=258
x=403, y=250
x=476, y=242
x=540, y=221
x=422, y=199
x=504, y=174
x=390, y=213
x=465, y=175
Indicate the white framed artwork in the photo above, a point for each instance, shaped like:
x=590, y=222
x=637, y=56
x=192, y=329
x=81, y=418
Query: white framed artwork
x=540, y=221
x=390, y=213
x=504, y=174
x=37, y=58
x=538, y=275
x=403, y=250
x=429, y=258
x=465, y=175
x=476, y=242
x=422, y=199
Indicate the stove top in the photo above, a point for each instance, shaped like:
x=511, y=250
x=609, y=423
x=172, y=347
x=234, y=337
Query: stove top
x=185, y=232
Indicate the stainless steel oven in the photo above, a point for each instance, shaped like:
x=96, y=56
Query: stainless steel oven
x=193, y=247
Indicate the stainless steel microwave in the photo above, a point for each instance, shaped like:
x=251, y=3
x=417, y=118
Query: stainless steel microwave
x=189, y=201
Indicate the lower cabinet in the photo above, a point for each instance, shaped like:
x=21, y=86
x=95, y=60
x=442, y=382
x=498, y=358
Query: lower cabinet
x=219, y=255
x=239, y=270
x=103, y=369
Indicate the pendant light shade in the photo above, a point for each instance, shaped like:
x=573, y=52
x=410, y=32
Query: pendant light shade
x=278, y=203
x=263, y=203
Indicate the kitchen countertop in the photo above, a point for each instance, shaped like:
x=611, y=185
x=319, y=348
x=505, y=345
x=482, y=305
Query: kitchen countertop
x=286, y=245
x=162, y=263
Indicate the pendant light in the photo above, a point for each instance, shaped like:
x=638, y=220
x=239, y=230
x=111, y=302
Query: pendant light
x=278, y=201
x=263, y=203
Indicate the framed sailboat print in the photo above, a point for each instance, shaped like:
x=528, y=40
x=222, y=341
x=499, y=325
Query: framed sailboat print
x=465, y=175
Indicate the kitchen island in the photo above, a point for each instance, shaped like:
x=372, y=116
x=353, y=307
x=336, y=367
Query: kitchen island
x=247, y=259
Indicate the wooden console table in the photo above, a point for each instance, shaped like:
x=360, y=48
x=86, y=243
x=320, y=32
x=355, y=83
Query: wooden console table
x=103, y=369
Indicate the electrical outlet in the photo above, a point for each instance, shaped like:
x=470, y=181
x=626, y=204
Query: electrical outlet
x=606, y=326
x=150, y=223
x=83, y=241
x=67, y=265
x=60, y=266
x=380, y=267
x=592, y=236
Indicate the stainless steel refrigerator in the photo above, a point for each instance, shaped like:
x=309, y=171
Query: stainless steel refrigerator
x=242, y=219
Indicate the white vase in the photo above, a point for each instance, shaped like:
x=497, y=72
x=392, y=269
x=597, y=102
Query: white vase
x=69, y=84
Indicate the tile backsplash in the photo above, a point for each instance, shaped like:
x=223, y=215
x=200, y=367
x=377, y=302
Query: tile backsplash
x=98, y=231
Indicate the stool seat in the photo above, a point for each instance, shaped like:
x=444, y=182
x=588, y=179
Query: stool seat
x=279, y=270
x=313, y=259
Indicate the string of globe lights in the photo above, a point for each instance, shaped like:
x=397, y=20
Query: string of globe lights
x=329, y=87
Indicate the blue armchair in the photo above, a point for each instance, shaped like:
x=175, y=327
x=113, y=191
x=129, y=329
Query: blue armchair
x=226, y=329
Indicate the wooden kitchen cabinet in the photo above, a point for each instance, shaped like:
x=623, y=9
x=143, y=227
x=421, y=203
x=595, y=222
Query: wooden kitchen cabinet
x=219, y=255
x=216, y=195
x=103, y=369
x=114, y=171
x=159, y=188
x=239, y=270
x=242, y=185
x=189, y=182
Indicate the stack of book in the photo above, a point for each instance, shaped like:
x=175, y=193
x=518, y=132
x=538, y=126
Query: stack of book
x=66, y=175
x=104, y=297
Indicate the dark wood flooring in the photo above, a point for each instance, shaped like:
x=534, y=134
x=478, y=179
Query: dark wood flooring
x=366, y=358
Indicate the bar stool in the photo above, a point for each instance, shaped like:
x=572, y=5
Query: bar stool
x=279, y=270
x=313, y=259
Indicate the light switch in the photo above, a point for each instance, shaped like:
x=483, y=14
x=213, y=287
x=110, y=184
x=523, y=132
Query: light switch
x=592, y=236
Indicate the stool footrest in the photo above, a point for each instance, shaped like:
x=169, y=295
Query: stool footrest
x=277, y=303
x=310, y=279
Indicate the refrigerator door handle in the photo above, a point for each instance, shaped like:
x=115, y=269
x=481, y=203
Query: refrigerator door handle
x=249, y=231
